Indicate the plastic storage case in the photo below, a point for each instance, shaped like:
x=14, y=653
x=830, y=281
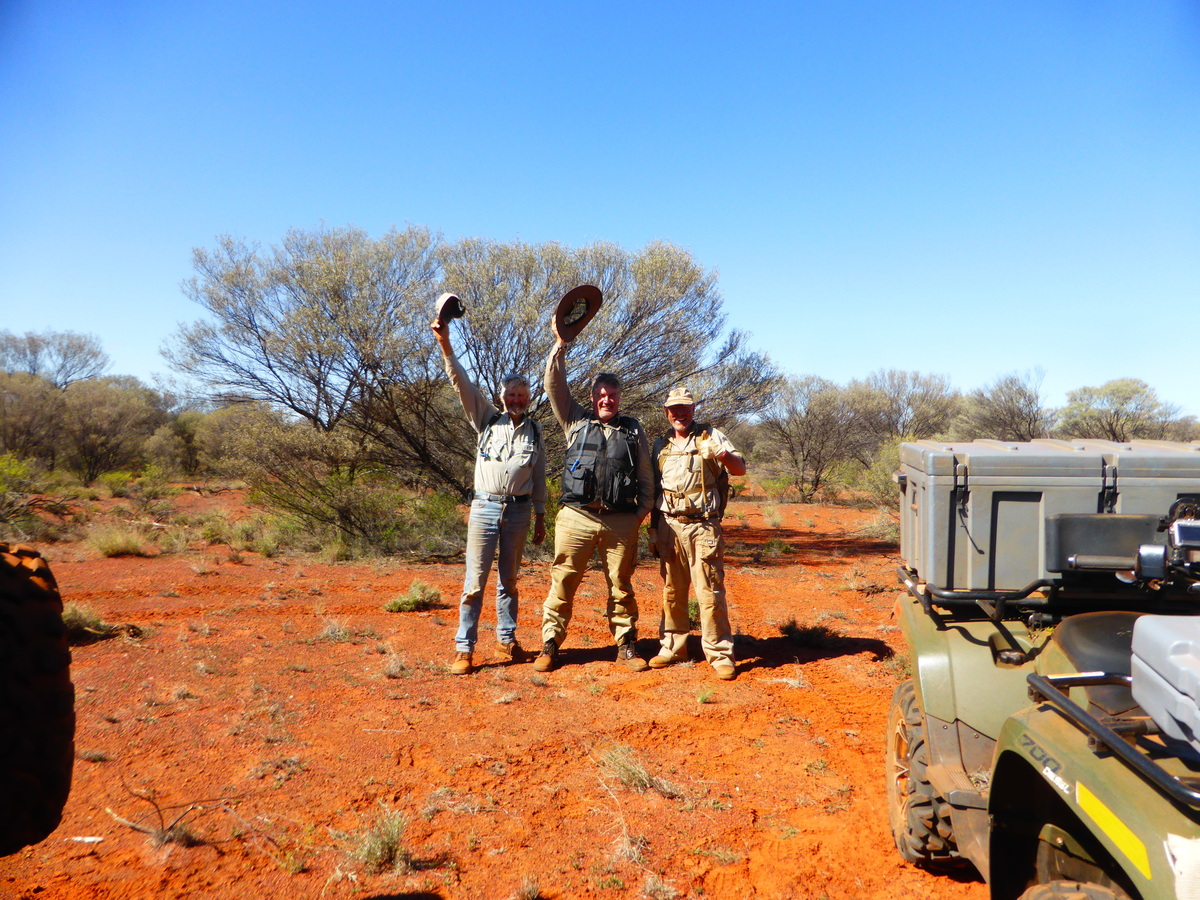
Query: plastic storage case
x=1166, y=673
x=979, y=516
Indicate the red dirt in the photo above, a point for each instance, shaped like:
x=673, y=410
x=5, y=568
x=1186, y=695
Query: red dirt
x=285, y=744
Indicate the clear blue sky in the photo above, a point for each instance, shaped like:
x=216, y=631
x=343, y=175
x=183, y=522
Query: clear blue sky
x=968, y=189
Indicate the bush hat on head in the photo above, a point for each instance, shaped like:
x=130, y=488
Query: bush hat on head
x=679, y=396
x=449, y=307
x=575, y=310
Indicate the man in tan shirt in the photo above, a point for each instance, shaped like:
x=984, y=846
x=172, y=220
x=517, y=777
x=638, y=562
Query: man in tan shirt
x=692, y=465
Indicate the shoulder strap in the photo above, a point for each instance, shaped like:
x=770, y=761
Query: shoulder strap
x=486, y=431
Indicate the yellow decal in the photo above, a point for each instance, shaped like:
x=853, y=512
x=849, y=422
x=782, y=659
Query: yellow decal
x=1118, y=832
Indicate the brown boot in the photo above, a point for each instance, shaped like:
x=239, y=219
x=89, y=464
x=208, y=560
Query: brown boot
x=661, y=661
x=725, y=671
x=511, y=653
x=549, y=658
x=627, y=656
x=462, y=664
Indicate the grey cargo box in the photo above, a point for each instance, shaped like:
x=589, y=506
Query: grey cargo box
x=1166, y=673
x=996, y=516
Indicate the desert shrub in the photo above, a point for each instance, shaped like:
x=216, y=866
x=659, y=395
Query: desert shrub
x=154, y=484
x=815, y=637
x=776, y=488
x=883, y=528
x=774, y=548
x=116, y=483
x=114, y=540
x=545, y=550
x=84, y=624
x=175, y=538
x=24, y=503
x=621, y=763
x=433, y=523
x=420, y=596
x=875, y=482
x=380, y=848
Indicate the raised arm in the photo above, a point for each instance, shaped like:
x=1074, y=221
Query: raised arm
x=566, y=409
x=478, y=408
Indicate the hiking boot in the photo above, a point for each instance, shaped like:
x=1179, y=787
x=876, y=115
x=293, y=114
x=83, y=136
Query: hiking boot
x=627, y=656
x=462, y=664
x=661, y=662
x=549, y=658
x=725, y=671
x=511, y=652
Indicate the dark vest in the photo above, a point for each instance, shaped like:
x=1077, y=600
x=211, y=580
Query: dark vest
x=601, y=470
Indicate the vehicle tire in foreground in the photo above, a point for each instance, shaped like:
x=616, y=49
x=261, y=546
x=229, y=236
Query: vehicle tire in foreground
x=37, y=701
x=1070, y=890
x=919, y=816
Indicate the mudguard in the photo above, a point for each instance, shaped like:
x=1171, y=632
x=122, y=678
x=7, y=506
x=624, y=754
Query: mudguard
x=1048, y=778
x=951, y=653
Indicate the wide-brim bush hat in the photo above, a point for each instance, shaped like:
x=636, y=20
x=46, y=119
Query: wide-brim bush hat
x=577, y=307
x=679, y=396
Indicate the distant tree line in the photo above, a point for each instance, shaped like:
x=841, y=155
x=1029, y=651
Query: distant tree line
x=814, y=429
x=315, y=377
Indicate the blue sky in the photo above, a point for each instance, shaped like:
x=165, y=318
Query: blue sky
x=958, y=188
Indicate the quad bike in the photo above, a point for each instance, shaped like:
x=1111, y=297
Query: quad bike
x=1049, y=736
x=37, y=701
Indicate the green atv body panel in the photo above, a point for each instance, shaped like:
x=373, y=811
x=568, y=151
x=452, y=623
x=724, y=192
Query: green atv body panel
x=1051, y=788
x=953, y=657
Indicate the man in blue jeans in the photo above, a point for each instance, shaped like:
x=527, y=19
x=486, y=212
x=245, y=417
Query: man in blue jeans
x=510, y=488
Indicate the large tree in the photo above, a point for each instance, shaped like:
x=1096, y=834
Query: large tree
x=1009, y=409
x=60, y=357
x=105, y=423
x=809, y=429
x=304, y=325
x=1124, y=409
x=891, y=404
x=31, y=410
x=334, y=327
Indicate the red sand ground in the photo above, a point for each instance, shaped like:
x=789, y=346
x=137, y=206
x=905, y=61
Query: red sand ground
x=285, y=745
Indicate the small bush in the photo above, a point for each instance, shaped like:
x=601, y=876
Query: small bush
x=774, y=548
x=84, y=624
x=116, y=541
x=776, y=488
x=335, y=632
x=24, y=502
x=817, y=637
x=883, y=528
x=116, y=483
x=629, y=770
x=380, y=848
x=420, y=596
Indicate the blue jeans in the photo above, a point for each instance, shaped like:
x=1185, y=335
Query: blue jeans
x=492, y=526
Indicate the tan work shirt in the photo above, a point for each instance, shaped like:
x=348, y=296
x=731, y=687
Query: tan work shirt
x=512, y=460
x=687, y=482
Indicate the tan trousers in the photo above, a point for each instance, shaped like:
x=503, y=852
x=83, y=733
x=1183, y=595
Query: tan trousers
x=692, y=554
x=577, y=535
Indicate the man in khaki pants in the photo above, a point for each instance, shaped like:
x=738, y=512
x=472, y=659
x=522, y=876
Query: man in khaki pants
x=692, y=465
x=607, y=492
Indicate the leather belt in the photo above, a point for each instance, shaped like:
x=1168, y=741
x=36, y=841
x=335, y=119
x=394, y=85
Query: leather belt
x=503, y=498
x=693, y=517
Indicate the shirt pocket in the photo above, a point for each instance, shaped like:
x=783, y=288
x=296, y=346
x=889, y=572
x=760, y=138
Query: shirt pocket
x=524, y=452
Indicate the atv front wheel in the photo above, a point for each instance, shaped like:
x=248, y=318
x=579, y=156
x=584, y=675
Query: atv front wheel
x=1070, y=890
x=919, y=816
x=37, y=701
